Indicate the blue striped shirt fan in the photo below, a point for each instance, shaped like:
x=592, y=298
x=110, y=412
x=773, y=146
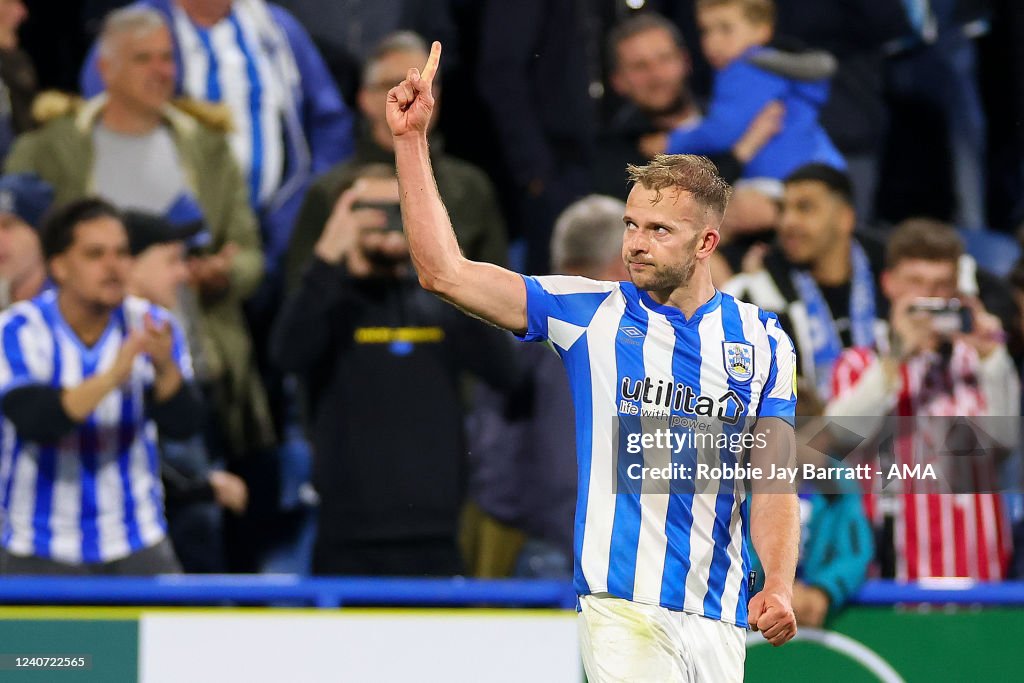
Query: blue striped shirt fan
x=94, y=496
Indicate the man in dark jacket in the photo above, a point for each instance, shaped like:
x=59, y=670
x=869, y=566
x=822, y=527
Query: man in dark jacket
x=381, y=360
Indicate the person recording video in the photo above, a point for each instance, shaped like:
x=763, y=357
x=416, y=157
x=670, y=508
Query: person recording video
x=945, y=357
x=380, y=360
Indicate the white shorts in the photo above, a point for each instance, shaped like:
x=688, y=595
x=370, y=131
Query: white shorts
x=627, y=641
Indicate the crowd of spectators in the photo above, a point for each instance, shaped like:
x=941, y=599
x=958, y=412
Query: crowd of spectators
x=205, y=281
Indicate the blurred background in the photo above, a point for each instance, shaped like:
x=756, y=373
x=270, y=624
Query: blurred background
x=354, y=429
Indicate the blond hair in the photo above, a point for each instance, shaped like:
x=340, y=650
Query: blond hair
x=696, y=175
x=754, y=11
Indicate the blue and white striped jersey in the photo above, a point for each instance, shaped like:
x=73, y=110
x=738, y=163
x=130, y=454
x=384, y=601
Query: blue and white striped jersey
x=95, y=495
x=234, y=62
x=629, y=357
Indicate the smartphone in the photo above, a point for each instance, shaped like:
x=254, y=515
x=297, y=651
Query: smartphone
x=391, y=211
x=949, y=316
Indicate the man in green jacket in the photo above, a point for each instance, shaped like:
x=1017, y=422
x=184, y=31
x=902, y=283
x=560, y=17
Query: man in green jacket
x=466, y=190
x=132, y=146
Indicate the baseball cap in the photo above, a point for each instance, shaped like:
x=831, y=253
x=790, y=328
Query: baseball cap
x=146, y=229
x=183, y=213
x=26, y=196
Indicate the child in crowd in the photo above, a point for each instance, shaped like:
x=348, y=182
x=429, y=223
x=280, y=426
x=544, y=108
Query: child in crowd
x=734, y=34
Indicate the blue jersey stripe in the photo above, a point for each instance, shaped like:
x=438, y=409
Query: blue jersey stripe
x=126, y=437
x=686, y=364
x=46, y=464
x=12, y=347
x=154, y=492
x=213, y=93
x=46, y=473
x=5, y=540
x=732, y=325
x=10, y=473
x=88, y=445
x=577, y=365
x=741, y=606
x=255, y=107
x=625, y=541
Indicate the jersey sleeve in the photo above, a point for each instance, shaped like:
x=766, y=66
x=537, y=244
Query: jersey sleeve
x=779, y=392
x=560, y=307
x=24, y=358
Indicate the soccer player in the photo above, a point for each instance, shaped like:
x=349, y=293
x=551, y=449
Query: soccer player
x=662, y=578
x=87, y=376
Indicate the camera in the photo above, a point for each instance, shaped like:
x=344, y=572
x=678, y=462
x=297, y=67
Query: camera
x=949, y=316
x=391, y=211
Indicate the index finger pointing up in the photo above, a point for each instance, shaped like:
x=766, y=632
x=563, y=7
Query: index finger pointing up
x=432, y=61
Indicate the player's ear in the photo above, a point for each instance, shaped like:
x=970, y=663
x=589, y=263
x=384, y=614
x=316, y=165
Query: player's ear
x=708, y=242
x=58, y=269
x=885, y=279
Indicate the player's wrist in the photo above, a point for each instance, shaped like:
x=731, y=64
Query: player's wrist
x=413, y=141
x=779, y=586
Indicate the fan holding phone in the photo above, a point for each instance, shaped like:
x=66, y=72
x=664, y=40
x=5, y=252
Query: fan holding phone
x=945, y=365
x=364, y=230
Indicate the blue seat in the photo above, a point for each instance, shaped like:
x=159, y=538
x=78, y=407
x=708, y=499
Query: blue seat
x=996, y=252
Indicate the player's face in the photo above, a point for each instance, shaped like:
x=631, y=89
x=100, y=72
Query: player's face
x=20, y=252
x=813, y=222
x=158, y=272
x=663, y=237
x=94, y=269
x=651, y=71
x=915, y=278
x=726, y=33
x=139, y=70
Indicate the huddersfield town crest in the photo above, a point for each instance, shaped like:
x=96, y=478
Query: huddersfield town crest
x=739, y=360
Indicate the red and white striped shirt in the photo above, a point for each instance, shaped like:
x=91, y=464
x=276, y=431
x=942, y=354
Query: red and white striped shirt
x=934, y=534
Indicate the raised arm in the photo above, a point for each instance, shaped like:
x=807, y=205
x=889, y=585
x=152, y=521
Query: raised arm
x=487, y=291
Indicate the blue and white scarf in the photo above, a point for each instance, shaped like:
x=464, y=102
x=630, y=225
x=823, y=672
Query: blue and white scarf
x=825, y=340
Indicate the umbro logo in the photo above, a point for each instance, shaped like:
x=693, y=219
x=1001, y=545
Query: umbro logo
x=631, y=332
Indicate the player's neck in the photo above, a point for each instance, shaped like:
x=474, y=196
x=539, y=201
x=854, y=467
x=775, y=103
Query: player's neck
x=691, y=296
x=124, y=119
x=87, y=321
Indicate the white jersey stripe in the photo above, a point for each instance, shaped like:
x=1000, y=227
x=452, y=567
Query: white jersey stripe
x=650, y=563
x=702, y=544
x=600, y=495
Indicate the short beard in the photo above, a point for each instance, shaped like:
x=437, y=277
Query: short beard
x=674, y=108
x=670, y=278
